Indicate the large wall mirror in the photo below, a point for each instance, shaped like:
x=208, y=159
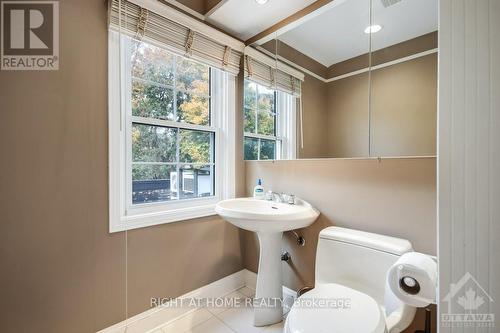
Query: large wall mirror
x=369, y=80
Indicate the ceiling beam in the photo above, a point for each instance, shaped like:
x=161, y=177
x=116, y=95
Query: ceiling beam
x=212, y=5
x=286, y=21
x=189, y=10
x=185, y=10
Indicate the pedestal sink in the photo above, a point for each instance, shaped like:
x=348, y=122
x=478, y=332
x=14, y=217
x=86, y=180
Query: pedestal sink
x=269, y=220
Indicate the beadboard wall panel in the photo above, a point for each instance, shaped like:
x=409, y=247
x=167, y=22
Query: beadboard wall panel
x=469, y=150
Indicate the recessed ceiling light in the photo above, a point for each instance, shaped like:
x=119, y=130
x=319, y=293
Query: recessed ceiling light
x=261, y=2
x=373, y=29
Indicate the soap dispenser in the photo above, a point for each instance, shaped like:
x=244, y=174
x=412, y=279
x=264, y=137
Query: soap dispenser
x=258, y=190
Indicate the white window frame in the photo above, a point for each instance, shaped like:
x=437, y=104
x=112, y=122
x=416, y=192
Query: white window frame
x=122, y=214
x=287, y=124
x=286, y=131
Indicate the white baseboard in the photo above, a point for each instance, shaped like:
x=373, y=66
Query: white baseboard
x=155, y=317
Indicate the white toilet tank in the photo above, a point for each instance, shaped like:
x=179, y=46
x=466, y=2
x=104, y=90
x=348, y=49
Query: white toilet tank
x=357, y=259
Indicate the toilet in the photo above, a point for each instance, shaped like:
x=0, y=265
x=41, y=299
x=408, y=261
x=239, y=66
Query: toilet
x=351, y=294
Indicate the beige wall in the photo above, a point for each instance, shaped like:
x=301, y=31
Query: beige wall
x=403, y=103
x=397, y=51
x=347, y=117
x=314, y=104
x=403, y=112
x=61, y=269
x=171, y=260
x=404, y=108
x=395, y=197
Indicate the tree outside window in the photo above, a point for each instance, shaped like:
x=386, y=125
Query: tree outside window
x=260, y=122
x=170, y=159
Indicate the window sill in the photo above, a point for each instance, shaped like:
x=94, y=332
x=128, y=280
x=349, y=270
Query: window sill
x=136, y=221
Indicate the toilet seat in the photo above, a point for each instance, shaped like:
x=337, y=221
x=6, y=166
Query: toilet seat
x=308, y=315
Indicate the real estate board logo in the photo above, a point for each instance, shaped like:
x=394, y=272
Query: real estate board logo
x=30, y=35
x=467, y=305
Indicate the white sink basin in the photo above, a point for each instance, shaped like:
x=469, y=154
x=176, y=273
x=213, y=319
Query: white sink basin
x=269, y=220
x=266, y=216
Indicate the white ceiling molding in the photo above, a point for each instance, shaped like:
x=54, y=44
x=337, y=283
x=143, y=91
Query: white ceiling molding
x=343, y=76
x=385, y=64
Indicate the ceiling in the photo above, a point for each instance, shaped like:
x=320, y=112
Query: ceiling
x=338, y=33
x=246, y=18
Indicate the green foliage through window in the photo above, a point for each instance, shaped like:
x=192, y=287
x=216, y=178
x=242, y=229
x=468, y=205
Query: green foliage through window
x=259, y=119
x=170, y=162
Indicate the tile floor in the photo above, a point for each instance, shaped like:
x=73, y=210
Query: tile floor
x=220, y=320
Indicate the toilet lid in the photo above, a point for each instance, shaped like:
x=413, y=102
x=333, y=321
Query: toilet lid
x=333, y=308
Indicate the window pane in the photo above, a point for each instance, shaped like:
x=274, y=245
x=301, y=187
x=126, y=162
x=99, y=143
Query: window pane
x=249, y=122
x=192, y=76
x=251, y=148
x=196, y=146
x=152, y=101
x=193, y=109
x=151, y=183
x=250, y=95
x=266, y=99
x=196, y=181
x=266, y=123
x=152, y=63
x=153, y=144
x=267, y=149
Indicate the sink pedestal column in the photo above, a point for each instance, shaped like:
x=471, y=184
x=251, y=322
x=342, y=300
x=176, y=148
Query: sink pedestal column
x=269, y=292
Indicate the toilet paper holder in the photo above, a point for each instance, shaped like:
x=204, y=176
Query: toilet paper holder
x=413, y=279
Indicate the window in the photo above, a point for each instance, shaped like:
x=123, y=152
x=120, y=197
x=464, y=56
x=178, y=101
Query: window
x=171, y=158
x=269, y=123
x=173, y=115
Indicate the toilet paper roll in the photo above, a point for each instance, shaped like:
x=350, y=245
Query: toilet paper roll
x=413, y=279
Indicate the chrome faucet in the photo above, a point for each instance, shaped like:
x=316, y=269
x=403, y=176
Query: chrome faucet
x=280, y=197
x=275, y=196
